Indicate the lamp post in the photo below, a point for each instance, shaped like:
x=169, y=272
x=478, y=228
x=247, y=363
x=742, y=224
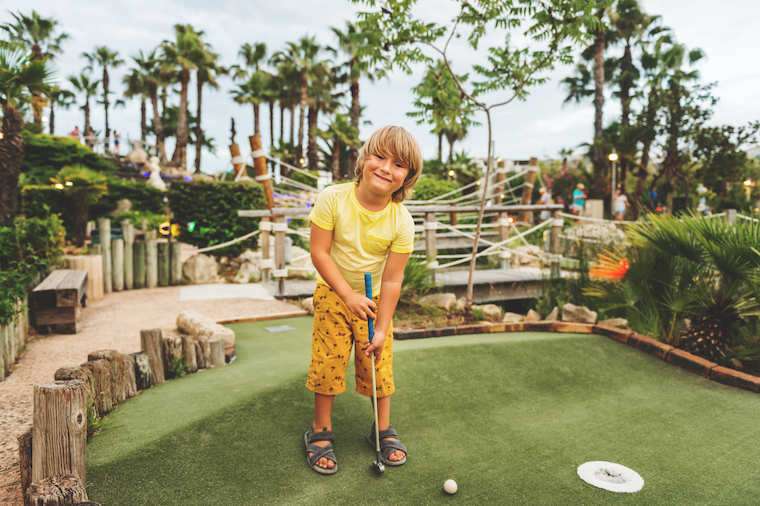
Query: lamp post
x=613, y=158
x=748, y=184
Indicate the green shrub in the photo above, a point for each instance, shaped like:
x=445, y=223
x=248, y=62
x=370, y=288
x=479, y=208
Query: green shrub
x=45, y=155
x=136, y=218
x=213, y=206
x=27, y=247
x=42, y=201
x=428, y=188
x=144, y=198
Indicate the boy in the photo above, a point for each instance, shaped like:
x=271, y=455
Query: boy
x=620, y=203
x=358, y=228
x=579, y=199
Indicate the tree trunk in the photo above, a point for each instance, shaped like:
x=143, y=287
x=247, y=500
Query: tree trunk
x=301, y=119
x=282, y=123
x=292, y=107
x=86, y=110
x=179, y=158
x=52, y=117
x=158, y=124
x=353, y=151
x=312, y=150
x=598, y=192
x=59, y=432
x=11, y=151
x=143, y=121
x=628, y=152
x=271, y=129
x=82, y=210
x=451, y=152
x=336, y=159
x=105, y=106
x=198, y=130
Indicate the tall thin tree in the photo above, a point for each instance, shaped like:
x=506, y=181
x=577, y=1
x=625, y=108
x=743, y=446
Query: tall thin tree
x=105, y=58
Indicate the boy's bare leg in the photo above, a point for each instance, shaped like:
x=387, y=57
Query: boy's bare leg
x=322, y=421
x=384, y=422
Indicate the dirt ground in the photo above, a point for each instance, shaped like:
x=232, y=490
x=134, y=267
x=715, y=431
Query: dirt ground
x=111, y=323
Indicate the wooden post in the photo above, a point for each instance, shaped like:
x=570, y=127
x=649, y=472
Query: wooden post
x=59, y=436
x=189, y=351
x=453, y=217
x=25, y=461
x=100, y=370
x=266, y=262
x=163, y=264
x=279, y=226
x=500, y=176
x=217, y=351
x=202, y=352
x=238, y=162
x=430, y=227
x=64, y=490
x=260, y=167
x=151, y=260
x=530, y=179
x=142, y=370
x=172, y=346
x=84, y=374
x=122, y=369
x=139, y=264
x=128, y=232
x=104, y=227
x=151, y=342
x=175, y=276
x=117, y=249
x=556, y=232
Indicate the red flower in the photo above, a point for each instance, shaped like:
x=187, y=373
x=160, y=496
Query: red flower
x=609, y=267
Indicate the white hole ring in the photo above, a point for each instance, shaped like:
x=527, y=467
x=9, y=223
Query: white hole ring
x=610, y=476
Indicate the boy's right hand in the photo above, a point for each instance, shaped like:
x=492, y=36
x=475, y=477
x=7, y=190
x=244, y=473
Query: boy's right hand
x=361, y=306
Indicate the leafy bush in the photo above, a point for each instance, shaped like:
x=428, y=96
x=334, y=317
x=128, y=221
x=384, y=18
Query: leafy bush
x=428, y=188
x=42, y=201
x=213, y=206
x=417, y=278
x=136, y=218
x=45, y=155
x=27, y=247
x=144, y=198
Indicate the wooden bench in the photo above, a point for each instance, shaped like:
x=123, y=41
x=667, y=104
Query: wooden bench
x=59, y=299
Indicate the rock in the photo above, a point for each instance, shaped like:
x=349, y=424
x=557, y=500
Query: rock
x=492, y=312
x=200, y=269
x=308, y=304
x=198, y=325
x=527, y=256
x=736, y=364
x=138, y=154
x=578, y=314
x=532, y=316
x=620, y=323
x=442, y=300
x=249, y=256
x=300, y=266
x=246, y=272
x=122, y=206
x=512, y=318
x=553, y=316
x=460, y=304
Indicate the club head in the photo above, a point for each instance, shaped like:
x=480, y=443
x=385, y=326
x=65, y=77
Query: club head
x=379, y=467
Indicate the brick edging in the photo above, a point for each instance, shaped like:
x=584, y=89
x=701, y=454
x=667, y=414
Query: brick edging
x=674, y=356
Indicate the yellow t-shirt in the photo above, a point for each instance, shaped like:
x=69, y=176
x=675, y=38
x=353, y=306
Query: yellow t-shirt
x=361, y=238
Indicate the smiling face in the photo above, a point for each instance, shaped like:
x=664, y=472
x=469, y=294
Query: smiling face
x=384, y=175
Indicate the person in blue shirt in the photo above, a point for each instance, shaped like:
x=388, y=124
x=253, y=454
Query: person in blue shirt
x=579, y=198
x=653, y=197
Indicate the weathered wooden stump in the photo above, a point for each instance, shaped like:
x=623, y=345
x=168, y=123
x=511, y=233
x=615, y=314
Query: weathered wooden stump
x=188, y=350
x=59, y=435
x=163, y=264
x=128, y=232
x=117, y=250
x=25, y=461
x=202, y=352
x=142, y=370
x=151, y=342
x=217, y=351
x=175, y=276
x=100, y=370
x=83, y=374
x=139, y=264
x=61, y=490
x=172, y=352
x=122, y=374
x=104, y=227
x=151, y=261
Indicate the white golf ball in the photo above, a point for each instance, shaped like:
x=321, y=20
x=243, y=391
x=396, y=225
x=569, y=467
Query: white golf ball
x=450, y=486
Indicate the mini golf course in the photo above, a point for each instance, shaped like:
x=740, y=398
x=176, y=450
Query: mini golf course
x=508, y=416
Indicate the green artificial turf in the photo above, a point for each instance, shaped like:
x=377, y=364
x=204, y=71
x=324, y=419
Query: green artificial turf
x=510, y=417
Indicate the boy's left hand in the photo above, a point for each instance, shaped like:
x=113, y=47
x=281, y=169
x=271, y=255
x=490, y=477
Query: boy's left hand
x=378, y=342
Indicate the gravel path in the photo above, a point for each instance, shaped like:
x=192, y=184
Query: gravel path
x=112, y=323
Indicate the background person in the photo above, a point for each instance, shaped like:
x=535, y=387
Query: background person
x=355, y=229
x=621, y=202
x=579, y=199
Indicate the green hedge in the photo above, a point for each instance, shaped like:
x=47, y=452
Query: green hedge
x=213, y=206
x=45, y=155
x=41, y=201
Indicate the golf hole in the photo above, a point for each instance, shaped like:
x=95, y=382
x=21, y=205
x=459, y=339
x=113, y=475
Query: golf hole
x=611, y=476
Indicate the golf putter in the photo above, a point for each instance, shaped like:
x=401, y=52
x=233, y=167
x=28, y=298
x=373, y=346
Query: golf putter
x=378, y=464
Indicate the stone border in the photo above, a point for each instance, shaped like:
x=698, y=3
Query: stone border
x=674, y=356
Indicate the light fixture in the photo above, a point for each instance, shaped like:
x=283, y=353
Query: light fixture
x=59, y=186
x=301, y=161
x=749, y=182
x=451, y=173
x=69, y=183
x=45, y=119
x=613, y=156
x=1, y=135
x=499, y=160
x=501, y=196
x=478, y=183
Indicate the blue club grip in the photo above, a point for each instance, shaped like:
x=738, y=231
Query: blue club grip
x=368, y=291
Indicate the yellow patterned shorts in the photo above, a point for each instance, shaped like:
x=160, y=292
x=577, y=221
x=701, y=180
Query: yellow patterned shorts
x=336, y=332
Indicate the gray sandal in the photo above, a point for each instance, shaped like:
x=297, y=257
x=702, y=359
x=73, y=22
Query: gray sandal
x=320, y=451
x=387, y=447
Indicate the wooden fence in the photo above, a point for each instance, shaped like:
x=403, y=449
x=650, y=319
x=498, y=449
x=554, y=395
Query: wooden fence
x=12, y=339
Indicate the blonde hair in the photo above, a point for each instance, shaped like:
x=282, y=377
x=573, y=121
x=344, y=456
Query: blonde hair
x=393, y=142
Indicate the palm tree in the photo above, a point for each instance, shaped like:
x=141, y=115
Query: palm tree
x=155, y=74
x=105, y=58
x=321, y=99
x=351, y=43
x=341, y=133
x=37, y=34
x=256, y=81
x=206, y=73
x=62, y=98
x=137, y=86
x=82, y=84
x=20, y=75
x=86, y=186
x=183, y=54
x=252, y=91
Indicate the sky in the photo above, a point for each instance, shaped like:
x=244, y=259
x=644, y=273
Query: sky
x=539, y=127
